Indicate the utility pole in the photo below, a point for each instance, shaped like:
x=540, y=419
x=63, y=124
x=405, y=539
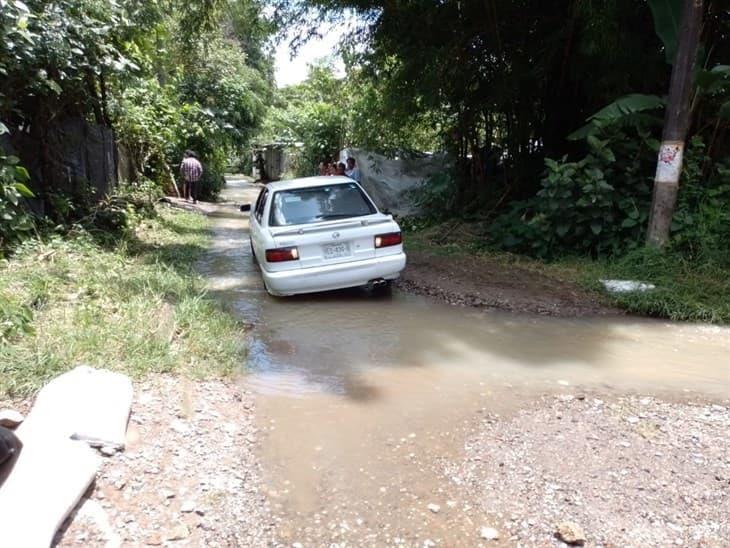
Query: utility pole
x=676, y=124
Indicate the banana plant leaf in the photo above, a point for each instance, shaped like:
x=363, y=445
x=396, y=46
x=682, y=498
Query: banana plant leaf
x=627, y=108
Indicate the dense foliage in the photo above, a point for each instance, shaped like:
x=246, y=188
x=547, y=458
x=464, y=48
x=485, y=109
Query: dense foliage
x=15, y=222
x=325, y=113
x=166, y=75
x=599, y=204
x=311, y=116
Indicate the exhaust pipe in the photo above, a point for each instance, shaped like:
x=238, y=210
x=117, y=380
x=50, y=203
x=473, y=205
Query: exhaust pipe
x=376, y=283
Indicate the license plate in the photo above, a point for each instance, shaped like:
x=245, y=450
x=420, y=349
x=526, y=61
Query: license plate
x=335, y=251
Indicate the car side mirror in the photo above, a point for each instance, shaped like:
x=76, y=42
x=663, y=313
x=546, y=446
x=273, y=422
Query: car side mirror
x=245, y=207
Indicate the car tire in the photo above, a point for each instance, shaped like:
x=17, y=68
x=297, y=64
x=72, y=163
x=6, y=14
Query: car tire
x=386, y=288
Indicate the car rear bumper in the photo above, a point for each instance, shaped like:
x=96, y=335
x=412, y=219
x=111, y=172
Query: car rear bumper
x=336, y=276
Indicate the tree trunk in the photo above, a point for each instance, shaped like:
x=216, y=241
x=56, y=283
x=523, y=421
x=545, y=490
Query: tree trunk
x=676, y=123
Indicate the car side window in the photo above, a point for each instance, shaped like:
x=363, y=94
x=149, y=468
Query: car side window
x=259, y=213
x=258, y=201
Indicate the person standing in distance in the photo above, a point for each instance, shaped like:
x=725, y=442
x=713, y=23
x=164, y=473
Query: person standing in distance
x=352, y=171
x=191, y=172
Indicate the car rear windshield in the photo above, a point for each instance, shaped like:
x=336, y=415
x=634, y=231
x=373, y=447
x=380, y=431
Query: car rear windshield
x=310, y=205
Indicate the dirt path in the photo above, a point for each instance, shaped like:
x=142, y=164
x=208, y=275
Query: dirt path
x=480, y=282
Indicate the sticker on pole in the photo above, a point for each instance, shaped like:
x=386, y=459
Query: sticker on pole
x=669, y=164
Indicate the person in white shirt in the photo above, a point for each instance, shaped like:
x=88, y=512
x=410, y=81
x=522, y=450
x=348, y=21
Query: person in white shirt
x=352, y=171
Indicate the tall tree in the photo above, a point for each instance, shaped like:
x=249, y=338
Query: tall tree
x=676, y=124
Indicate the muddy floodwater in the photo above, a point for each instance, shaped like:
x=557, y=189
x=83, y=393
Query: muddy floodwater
x=359, y=397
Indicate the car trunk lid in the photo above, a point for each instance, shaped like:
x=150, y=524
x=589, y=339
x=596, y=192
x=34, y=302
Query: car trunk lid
x=332, y=242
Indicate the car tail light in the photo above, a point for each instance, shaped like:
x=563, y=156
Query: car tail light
x=385, y=240
x=282, y=254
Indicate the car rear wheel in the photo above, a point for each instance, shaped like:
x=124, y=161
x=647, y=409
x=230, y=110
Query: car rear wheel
x=386, y=288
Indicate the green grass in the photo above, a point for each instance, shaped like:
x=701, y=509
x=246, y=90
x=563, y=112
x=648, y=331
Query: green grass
x=135, y=305
x=685, y=290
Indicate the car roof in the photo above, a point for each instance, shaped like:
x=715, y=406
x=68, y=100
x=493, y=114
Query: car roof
x=305, y=182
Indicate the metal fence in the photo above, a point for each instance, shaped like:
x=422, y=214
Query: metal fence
x=73, y=156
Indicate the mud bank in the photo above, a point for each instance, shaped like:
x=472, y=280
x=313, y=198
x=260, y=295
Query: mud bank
x=483, y=283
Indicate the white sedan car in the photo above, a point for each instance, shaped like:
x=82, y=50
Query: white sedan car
x=323, y=233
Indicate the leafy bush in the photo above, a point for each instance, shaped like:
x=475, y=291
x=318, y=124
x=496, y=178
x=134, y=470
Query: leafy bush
x=15, y=222
x=143, y=191
x=240, y=163
x=223, y=101
x=599, y=205
x=211, y=108
x=156, y=129
x=107, y=219
x=326, y=112
x=437, y=195
x=148, y=122
x=701, y=223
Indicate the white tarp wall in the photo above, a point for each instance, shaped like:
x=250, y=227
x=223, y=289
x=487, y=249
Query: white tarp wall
x=392, y=182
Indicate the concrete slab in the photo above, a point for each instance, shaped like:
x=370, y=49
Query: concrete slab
x=87, y=404
x=55, y=466
x=42, y=486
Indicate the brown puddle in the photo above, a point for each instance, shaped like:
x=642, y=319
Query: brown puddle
x=360, y=397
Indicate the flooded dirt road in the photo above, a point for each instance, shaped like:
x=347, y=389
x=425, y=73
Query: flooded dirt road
x=362, y=400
